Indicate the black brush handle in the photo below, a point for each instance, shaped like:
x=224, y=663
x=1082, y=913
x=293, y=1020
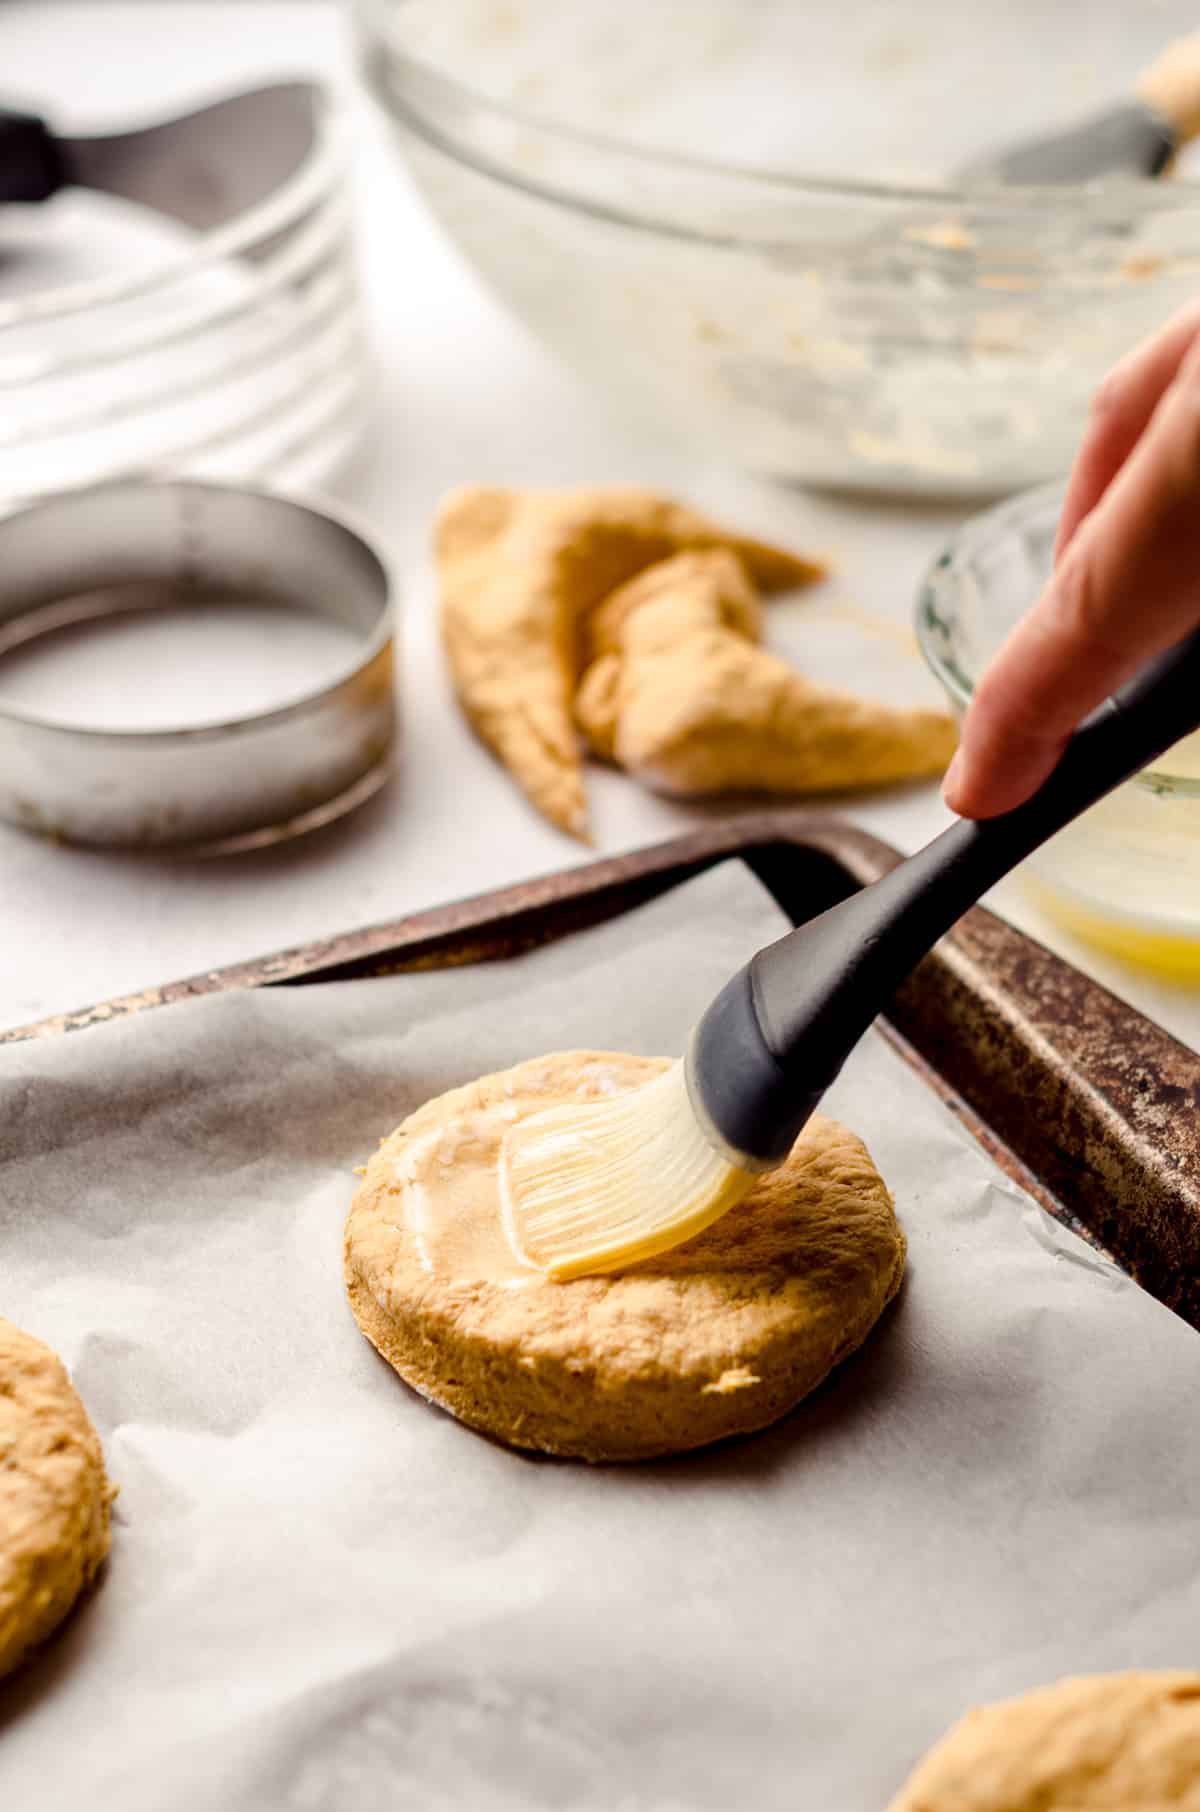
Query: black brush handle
x=776, y=1037
x=31, y=164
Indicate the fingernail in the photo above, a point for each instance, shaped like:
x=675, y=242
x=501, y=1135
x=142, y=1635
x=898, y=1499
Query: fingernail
x=953, y=778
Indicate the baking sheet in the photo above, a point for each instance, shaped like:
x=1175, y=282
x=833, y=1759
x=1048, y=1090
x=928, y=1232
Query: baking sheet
x=324, y=1593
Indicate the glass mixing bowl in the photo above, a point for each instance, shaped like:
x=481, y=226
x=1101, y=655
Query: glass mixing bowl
x=1125, y=876
x=737, y=217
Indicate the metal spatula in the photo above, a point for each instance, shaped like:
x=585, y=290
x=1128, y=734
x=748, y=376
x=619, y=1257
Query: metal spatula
x=1136, y=137
x=202, y=167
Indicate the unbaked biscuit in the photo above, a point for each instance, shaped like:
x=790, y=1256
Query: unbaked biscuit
x=1100, y=1743
x=54, y=1495
x=718, y=1337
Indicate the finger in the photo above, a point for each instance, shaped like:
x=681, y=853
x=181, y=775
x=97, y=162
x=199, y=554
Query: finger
x=1128, y=587
x=1121, y=411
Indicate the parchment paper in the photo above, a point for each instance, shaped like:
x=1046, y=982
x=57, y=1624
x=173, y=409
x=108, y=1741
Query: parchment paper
x=325, y=1595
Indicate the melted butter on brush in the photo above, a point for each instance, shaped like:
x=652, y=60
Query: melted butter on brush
x=594, y=1186
x=601, y=1179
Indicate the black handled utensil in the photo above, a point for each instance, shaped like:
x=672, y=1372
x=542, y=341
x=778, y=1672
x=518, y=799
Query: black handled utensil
x=1136, y=137
x=202, y=167
x=777, y=1035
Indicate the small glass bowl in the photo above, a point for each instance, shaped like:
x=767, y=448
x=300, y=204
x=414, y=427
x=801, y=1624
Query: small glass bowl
x=131, y=344
x=1126, y=875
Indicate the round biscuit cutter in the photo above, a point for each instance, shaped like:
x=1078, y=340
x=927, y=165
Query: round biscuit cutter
x=258, y=778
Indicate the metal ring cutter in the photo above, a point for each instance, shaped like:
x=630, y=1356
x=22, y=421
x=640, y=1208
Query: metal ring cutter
x=138, y=544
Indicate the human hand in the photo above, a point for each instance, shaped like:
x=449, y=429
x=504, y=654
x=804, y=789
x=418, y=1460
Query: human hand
x=1126, y=580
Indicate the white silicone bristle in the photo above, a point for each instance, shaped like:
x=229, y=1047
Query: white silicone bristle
x=595, y=1185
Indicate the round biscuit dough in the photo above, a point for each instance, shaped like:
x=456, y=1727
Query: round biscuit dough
x=54, y=1495
x=719, y=1337
x=1099, y=1743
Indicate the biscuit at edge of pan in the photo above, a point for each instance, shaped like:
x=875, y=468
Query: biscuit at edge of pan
x=54, y=1496
x=1094, y=1743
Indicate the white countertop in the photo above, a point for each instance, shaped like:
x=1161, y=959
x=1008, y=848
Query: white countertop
x=463, y=394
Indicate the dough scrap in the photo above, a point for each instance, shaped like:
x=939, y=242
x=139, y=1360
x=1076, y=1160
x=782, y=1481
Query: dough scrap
x=720, y=1336
x=681, y=695
x=518, y=572
x=54, y=1495
x=1097, y=1743
x=710, y=586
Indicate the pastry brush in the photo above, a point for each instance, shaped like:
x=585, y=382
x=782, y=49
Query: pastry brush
x=1136, y=137
x=593, y=1186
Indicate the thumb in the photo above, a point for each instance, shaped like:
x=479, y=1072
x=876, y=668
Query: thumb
x=1127, y=587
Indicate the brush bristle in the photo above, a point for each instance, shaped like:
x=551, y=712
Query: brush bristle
x=592, y=1186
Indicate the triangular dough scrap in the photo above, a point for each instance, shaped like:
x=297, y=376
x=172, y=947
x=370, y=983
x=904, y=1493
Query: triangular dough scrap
x=691, y=706
x=598, y=705
x=710, y=586
x=518, y=571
